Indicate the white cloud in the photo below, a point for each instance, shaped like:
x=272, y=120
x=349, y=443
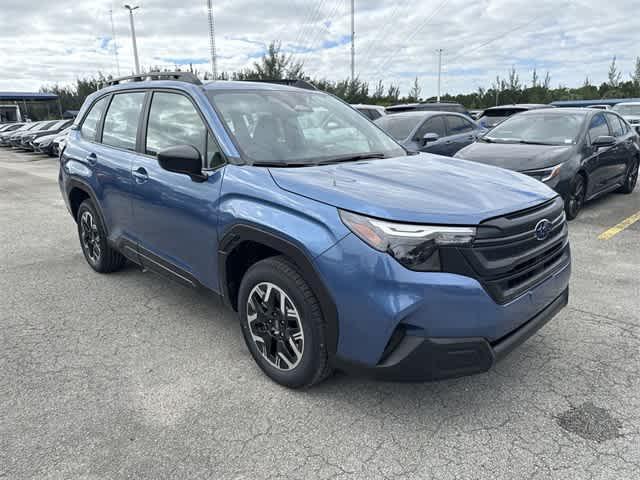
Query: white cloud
x=46, y=42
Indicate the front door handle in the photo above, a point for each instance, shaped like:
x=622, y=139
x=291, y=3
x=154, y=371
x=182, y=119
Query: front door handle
x=91, y=159
x=140, y=174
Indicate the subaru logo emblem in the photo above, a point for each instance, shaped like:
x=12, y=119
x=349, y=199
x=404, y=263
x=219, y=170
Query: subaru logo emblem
x=543, y=229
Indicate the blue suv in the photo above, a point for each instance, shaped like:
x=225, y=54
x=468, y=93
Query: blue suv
x=336, y=246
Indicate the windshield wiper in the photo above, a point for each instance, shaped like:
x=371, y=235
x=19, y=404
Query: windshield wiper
x=351, y=158
x=527, y=142
x=281, y=164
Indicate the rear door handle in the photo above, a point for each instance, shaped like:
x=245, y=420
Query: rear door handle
x=140, y=174
x=92, y=158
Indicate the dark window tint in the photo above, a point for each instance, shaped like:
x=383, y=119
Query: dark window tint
x=458, y=125
x=90, y=124
x=374, y=114
x=121, y=121
x=617, y=127
x=598, y=127
x=433, y=125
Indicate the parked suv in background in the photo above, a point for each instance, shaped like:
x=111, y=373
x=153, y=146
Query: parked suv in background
x=372, y=112
x=495, y=115
x=335, y=246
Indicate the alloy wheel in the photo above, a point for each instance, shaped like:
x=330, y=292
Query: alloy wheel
x=90, y=236
x=632, y=176
x=275, y=326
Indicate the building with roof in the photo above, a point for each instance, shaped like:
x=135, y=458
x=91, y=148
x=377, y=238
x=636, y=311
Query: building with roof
x=16, y=106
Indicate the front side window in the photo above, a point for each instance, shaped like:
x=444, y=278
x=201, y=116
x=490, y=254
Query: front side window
x=433, y=125
x=617, y=127
x=598, y=127
x=121, y=121
x=90, y=124
x=458, y=125
x=302, y=127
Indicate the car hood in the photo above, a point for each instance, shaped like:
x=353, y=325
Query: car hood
x=515, y=156
x=421, y=188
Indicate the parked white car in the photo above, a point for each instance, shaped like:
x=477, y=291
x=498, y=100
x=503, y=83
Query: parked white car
x=630, y=111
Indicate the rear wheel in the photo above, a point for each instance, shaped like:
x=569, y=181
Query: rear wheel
x=575, y=199
x=282, y=324
x=93, y=240
x=631, y=179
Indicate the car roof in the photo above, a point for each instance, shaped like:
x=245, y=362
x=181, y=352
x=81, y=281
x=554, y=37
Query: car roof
x=561, y=111
x=424, y=114
x=413, y=105
x=627, y=103
x=364, y=105
x=528, y=106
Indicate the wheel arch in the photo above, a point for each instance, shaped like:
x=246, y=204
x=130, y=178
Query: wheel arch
x=270, y=244
x=79, y=191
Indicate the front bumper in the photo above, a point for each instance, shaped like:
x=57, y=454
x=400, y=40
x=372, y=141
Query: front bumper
x=418, y=359
x=449, y=323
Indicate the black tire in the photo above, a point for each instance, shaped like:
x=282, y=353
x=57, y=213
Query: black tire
x=575, y=198
x=631, y=179
x=313, y=364
x=93, y=241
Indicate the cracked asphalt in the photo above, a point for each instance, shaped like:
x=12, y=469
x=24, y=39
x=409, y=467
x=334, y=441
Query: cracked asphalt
x=131, y=376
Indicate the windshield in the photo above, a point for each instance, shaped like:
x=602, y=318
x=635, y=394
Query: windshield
x=539, y=128
x=628, y=110
x=284, y=127
x=398, y=126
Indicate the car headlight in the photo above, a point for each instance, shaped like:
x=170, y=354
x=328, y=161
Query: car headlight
x=545, y=174
x=414, y=246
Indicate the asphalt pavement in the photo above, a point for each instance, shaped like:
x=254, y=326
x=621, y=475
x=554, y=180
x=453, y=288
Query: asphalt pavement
x=129, y=375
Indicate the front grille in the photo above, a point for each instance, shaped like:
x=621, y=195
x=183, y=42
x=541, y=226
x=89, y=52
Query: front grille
x=507, y=257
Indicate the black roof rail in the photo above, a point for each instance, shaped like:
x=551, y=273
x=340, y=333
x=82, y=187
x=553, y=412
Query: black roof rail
x=178, y=76
x=291, y=82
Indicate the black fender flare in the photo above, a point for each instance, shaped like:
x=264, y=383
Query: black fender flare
x=86, y=188
x=244, y=232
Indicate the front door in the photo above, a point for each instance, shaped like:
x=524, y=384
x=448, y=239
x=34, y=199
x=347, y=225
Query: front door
x=175, y=217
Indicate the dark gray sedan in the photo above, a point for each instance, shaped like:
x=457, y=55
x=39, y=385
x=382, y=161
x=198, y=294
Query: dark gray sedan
x=442, y=133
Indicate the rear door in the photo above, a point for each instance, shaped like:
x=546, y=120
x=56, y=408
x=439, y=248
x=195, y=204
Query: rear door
x=106, y=167
x=624, y=151
x=175, y=217
x=434, y=124
x=461, y=133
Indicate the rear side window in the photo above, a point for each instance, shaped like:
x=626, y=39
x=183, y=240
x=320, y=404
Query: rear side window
x=433, y=125
x=598, y=127
x=121, y=122
x=458, y=125
x=173, y=120
x=90, y=124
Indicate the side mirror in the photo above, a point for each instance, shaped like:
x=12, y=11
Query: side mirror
x=603, y=141
x=183, y=159
x=430, y=137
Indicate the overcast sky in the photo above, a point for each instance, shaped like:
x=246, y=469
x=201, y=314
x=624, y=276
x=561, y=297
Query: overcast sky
x=55, y=41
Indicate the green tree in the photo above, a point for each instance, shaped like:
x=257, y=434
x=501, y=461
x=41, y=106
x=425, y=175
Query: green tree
x=274, y=65
x=414, y=93
x=614, y=76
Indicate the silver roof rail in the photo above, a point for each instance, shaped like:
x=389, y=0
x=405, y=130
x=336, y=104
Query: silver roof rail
x=178, y=76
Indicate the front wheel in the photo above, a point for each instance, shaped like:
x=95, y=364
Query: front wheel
x=631, y=179
x=575, y=199
x=282, y=324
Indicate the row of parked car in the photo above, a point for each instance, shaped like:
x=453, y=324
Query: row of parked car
x=46, y=136
x=582, y=153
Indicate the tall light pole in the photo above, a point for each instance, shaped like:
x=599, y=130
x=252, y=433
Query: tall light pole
x=115, y=45
x=353, y=40
x=212, y=41
x=439, y=71
x=133, y=37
